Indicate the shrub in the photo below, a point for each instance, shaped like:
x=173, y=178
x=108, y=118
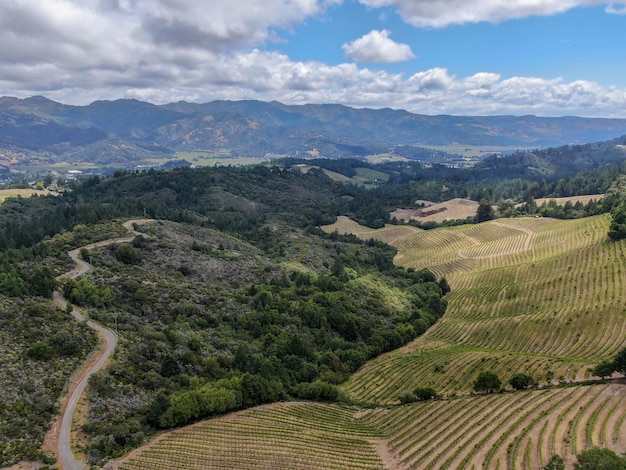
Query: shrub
x=521, y=381
x=407, y=397
x=487, y=381
x=555, y=463
x=40, y=351
x=127, y=254
x=599, y=459
x=425, y=394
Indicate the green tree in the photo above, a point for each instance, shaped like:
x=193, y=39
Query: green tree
x=555, y=463
x=617, y=229
x=604, y=369
x=40, y=351
x=425, y=393
x=485, y=211
x=619, y=363
x=599, y=459
x=521, y=381
x=487, y=381
x=127, y=254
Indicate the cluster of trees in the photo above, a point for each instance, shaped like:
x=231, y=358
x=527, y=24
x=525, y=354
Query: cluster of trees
x=488, y=381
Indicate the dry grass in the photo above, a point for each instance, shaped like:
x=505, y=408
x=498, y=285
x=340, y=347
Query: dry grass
x=7, y=193
x=573, y=199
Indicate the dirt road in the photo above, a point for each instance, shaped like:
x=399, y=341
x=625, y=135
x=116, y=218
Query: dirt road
x=66, y=458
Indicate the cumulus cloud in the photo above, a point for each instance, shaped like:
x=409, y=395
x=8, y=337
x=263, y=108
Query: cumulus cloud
x=440, y=13
x=377, y=47
x=79, y=51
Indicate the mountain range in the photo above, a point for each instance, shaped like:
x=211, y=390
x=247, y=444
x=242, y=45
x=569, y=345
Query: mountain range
x=128, y=131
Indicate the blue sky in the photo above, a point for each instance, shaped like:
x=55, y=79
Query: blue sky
x=543, y=57
x=582, y=43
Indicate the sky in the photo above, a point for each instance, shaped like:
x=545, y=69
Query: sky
x=460, y=57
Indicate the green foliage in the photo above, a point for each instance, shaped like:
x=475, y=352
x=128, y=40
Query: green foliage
x=127, y=253
x=425, y=393
x=521, y=381
x=619, y=362
x=320, y=391
x=604, y=369
x=485, y=211
x=40, y=351
x=617, y=229
x=487, y=381
x=84, y=293
x=406, y=397
x=556, y=462
x=34, y=372
x=418, y=394
x=599, y=459
x=204, y=402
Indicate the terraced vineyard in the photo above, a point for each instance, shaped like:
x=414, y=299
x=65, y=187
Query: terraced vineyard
x=538, y=296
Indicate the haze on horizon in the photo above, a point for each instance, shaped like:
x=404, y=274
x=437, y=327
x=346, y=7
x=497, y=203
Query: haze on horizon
x=464, y=57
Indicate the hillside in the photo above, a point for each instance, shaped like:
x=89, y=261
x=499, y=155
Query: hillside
x=537, y=296
x=36, y=131
x=522, y=300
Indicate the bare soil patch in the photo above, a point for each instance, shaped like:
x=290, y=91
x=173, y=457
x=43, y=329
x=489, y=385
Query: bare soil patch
x=450, y=210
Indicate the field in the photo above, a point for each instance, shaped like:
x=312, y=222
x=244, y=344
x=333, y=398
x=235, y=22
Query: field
x=573, y=199
x=538, y=296
x=449, y=210
x=6, y=193
x=507, y=431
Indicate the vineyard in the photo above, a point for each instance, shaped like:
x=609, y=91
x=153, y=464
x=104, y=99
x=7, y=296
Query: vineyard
x=531, y=295
x=537, y=296
x=506, y=431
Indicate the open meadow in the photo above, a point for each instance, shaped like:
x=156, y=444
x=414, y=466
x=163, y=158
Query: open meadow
x=7, y=193
x=530, y=295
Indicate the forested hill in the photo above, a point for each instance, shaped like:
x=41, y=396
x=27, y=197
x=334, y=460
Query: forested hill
x=231, y=299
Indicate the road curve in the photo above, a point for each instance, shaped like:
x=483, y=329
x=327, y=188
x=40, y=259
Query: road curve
x=67, y=460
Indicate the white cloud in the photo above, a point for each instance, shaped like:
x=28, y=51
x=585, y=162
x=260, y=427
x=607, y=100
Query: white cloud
x=440, y=13
x=377, y=47
x=168, y=50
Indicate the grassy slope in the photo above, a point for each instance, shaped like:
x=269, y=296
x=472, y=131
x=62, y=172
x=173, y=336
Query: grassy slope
x=538, y=296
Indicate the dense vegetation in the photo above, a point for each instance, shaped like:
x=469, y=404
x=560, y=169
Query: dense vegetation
x=40, y=347
x=225, y=325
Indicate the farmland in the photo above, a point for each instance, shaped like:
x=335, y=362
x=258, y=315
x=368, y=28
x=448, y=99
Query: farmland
x=530, y=295
x=511, y=430
x=537, y=296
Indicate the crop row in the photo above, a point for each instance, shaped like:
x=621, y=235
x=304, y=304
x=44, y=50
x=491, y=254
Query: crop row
x=552, y=316
x=507, y=431
x=306, y=436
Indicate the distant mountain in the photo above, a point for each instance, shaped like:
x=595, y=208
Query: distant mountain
x=126, y=131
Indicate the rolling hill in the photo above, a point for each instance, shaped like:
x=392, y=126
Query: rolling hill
x=538, y=296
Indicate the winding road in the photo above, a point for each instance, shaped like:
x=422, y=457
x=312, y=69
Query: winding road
x=66, y=458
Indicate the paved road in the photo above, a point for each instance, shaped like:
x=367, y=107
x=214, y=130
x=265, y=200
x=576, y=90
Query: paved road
x=67, y=460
